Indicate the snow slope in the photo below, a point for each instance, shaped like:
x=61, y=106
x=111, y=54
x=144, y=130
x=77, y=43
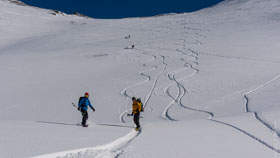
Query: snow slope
x=209, y=81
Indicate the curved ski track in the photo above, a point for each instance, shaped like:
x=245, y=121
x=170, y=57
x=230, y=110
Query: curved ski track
x=257, y=115
x=124, y=91
x=181, y=89
x=158, y=32
x=149, y=78
x=182, y=92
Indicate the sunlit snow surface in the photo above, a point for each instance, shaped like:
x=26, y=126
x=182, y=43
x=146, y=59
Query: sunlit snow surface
x=209, y=81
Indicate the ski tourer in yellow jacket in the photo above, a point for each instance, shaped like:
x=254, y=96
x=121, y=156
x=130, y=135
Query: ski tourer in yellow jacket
x=136, y=109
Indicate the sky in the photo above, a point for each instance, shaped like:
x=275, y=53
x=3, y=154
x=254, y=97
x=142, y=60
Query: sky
x=115, y=9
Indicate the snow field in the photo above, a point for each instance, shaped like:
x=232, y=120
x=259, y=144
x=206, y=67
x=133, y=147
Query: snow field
x=208, y=80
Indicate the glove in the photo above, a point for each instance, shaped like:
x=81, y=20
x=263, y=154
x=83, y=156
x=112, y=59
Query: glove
x=79, y=108
x=93, y=109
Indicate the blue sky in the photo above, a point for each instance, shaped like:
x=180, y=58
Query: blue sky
x=114, y=9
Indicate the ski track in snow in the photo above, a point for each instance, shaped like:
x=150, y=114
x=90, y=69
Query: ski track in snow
x=149, y=78
x=111, y=150
x=257, y=115
x=181, y=89
x=148, y=97
x=181, y=92
x=154, y=67
x=142, y=73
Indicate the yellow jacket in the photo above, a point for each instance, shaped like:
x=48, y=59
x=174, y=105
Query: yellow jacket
x=136, y=107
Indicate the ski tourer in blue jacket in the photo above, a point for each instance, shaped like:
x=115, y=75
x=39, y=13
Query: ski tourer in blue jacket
x=84, y=103
x=83, y=106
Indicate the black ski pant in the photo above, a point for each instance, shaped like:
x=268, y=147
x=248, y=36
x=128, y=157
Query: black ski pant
x=136, y=118
x=85, y=116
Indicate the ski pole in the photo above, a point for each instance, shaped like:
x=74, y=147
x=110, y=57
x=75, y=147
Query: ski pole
x=75, y=105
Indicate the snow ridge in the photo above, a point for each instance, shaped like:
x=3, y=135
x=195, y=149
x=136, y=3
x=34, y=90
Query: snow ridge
x=111, y=150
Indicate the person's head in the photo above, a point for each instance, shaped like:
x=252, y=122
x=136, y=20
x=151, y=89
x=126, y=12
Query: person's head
x=133, y=99
x=139, y=99
x=86, y=94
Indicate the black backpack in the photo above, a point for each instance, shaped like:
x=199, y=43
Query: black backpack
x=81, y=98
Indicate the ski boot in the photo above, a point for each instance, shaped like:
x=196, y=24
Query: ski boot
x=137, y=128
x=84, y=125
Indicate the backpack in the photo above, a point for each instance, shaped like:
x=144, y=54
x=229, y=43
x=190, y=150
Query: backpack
x=141, y=104
x=81, y=99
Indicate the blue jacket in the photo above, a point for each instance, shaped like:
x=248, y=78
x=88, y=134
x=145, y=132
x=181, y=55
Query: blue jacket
x=84, y=103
